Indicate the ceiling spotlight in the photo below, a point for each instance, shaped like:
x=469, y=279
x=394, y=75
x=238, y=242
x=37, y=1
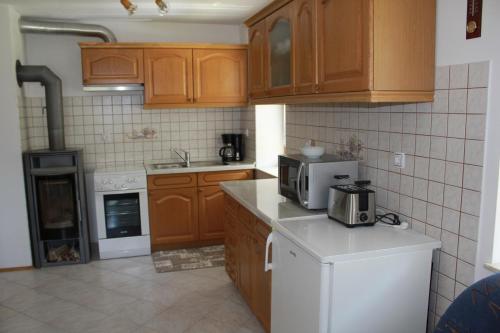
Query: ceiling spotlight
x=129, y=6
x=162, y=7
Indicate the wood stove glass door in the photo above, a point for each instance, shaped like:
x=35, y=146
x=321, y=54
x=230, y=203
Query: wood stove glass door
x=58, y=214
x=122, y=214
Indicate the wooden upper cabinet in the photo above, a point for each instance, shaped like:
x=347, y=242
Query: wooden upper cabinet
x=220, y=76
x=404, y=57
x=173, y=216
x=349, y=51
x=112, y=66
x=279, y=31
x=344, y=52
x=257, y=60
x=304, y=50
x=211, y=212
x=168, y=76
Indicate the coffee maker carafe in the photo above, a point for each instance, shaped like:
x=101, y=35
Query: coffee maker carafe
x=227, y=152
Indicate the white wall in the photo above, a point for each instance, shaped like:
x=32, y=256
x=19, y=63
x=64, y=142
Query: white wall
x=269, y=135
x=453, y=48
x=15, y=247
x=62, y=53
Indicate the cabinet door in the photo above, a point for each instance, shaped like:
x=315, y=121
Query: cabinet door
x=231, y=246
x=245, y=262
x=168, y=76
x=257, y=60
x=112, y=66
x=220, y=76
x=261, y=284
x=173, y=216
x=304, y=47
x=344, y=45
x=279, y=52
x=211, y=212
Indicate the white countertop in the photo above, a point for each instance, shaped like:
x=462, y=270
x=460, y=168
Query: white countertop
x=201, y=167
x=261, y=197
x=330, y=242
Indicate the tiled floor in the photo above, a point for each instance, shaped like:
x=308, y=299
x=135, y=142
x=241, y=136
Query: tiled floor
x=122, y=295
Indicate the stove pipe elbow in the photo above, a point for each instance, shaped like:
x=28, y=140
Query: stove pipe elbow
x=53, y=99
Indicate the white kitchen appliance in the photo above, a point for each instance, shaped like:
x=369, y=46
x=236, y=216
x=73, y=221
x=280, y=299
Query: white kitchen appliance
x=328, y=278
x=118, y=210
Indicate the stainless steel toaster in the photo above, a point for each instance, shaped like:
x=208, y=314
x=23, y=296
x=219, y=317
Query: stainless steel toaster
x=351, y=205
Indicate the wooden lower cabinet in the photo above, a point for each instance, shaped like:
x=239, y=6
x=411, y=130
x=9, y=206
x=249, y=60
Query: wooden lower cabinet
x=245, y=260
x=261, y=284
x=187, y=209
x=211, y=212
x=245, y=245
x=175, y=215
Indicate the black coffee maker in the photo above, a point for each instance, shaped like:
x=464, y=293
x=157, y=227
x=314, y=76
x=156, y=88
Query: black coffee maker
x=232, y=149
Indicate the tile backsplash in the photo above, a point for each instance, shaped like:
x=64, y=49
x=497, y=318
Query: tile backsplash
x=439, y=190
x=116, y=129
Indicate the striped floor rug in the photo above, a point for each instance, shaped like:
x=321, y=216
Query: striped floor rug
x=188, y=259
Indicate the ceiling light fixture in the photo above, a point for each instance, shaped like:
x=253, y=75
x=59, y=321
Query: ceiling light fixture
x=162, y=7
x=129, y=6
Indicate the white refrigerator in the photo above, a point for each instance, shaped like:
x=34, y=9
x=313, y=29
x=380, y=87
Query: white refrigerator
x=328, y=278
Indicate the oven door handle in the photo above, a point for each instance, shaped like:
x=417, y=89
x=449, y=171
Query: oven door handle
x=299, y=178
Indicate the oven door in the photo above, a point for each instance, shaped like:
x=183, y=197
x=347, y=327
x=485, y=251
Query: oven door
x=122, y=214
x=292, y=178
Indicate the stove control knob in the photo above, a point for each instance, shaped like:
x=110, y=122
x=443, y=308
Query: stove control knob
x=131, y=180
x=124, y=187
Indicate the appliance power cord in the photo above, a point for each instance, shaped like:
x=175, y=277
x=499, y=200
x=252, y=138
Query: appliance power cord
x=390, y=220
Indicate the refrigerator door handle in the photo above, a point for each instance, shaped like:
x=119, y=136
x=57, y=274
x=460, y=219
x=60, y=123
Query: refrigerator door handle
x=267, y=265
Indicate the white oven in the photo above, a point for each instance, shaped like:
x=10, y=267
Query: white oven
x=119, y=212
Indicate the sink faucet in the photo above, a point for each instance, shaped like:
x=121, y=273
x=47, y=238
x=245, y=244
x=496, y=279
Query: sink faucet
x=186, y=158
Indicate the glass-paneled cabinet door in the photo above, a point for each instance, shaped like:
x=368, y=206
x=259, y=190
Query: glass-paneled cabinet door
x=279, y=32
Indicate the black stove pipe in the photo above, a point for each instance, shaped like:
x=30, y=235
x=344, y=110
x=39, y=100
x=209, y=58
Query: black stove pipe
x=53, y=99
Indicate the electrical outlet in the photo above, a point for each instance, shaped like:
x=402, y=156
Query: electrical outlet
x=399, y=160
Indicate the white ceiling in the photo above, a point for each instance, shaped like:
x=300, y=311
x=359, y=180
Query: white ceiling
x=208, y=11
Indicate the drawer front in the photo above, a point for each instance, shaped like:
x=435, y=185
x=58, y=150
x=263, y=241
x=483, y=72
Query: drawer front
x=230, y=205
x=262, y=229
x=214, y=178
x=172, y=181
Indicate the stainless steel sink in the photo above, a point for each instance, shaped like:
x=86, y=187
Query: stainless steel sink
x=206, y=163
x=163, y=166
x=158, y=166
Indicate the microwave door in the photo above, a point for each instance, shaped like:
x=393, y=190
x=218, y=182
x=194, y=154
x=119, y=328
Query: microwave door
x=301, y=185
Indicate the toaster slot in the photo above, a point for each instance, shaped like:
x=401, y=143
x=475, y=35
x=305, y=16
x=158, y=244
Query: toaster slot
x=363, y=201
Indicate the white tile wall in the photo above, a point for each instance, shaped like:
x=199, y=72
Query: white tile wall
x=439, y=190
x=104, y=125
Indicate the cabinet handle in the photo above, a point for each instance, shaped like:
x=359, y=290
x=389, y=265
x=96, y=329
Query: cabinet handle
x=189, y=99
x=316, y=87
x=267, y=265
x=194, y=100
